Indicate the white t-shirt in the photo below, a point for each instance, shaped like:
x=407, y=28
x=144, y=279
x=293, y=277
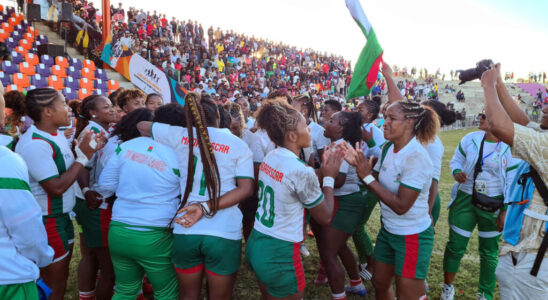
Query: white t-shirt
x=145, y=176
x=47, y=156
x=23, y=238
x=234, y=160
x=318, y=139
x=373, y=147
x=352, y=181
x=412, y=168
x=435, y=150
x=6, y=140
x=261, y=146
x=286, y=187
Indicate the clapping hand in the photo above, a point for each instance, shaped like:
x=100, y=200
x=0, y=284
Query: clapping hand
x=331, y=160
x=356, y=158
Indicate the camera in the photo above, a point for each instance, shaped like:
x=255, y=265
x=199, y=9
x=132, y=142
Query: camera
x=474, y=73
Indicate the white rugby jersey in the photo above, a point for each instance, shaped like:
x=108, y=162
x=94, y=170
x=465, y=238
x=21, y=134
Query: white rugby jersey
x=47, y=156
x=318, y=139
x=373, y=147
x=145, y=176
x=234, y=160
x=261, y=145
x=435, y=150
x=352, y=181
x=412, y=168
x=286, y=187
x=23, y=239
x=6, y=141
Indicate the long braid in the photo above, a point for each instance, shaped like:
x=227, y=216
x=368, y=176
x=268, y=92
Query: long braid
x=195, y=116
x=427, y=122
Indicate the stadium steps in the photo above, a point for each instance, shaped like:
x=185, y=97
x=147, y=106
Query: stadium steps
x=54, y=38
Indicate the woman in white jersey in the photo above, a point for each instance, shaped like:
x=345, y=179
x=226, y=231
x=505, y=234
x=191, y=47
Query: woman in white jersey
x=15, y=113
x=53, y=172
x=404, y=173
x=208, y=229
x=343, y=128
x=146, y=178
x=95, y=113
x=23, y=239
x=305, y=105
x=286, y=187
x=464, y=215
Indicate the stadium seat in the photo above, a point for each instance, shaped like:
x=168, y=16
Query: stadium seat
x=31, y=58
x=8, y=67
x=70, y=94
x=21, y=51
x=43, y=70
x=25, y=44
x=31, y=29
x=87, y=73
x=19, y=17
x=58, y=71
x=4, y=35
x=13, y=87
x=113, y=85
x=86, y=84
x=21, y=80
x=76, y=63
x=7, y=27
x=73, y=72
x=26, y=68
x=101, y=74
x=100, y=92
x=47, y=60
x=17, y=57
x=42, y=39
x=11, y=43
x=12, y=22
x=89, y=64
x=101, y=84
x=29, y=37
x=55, y=82
x=39, y=81
x=72, y=83
x=61, y=61
x=83, y=93
x=5, y=78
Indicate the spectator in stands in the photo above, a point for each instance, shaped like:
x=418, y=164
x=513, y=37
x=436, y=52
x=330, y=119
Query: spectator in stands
x=460, y=96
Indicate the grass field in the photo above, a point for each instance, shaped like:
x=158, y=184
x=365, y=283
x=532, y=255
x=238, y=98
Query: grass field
x=465, y=283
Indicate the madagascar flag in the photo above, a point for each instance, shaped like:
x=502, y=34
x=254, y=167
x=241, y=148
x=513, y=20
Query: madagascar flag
x=367, y=66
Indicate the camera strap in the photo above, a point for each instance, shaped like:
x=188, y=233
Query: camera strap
x=479, y=163
x=543, y=191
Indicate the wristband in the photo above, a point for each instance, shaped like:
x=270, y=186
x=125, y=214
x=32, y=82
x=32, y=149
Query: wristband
x=329, y=182
x=81, y=157
x=85, y=190
x=368, y=179
x=205, y=208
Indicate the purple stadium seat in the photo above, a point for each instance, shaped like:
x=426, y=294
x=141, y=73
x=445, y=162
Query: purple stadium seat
x=25, y=24
x=16, y=58
x=100, y=92
x=101, y=74
x=30, y=87
x=73, y=72
x=42, y=39
x=72, y=83
x=39, y=81
x=76, y=63
x=5, y=78
x=47, y=60
x=43, y=70
x=70, y=94
x=9, y=67
x=100, y=84
x=11, y=43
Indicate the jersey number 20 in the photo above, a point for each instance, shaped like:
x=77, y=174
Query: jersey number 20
x=266, y=201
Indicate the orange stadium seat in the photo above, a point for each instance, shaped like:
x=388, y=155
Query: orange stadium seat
x=14, y=87
x=32, y=58
x=21, y=80
x=4, y=35
x=19, y=17
x=13, y=21
x=7, y=27
x=59, y=71
x=20, y=50
x=26, y=68
x=29, y=37
x=86, y=83
x=89, y=64
x=30, y=29
x=87, y=73
x=83, y=93
x=25, y=44
x=113, y=85
x=61, y=61
x=56, y=82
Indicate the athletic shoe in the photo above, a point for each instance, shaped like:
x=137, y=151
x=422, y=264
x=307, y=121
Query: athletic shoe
x=480, y=296
x=364, y=274
x=321, y=279
x=304, y=250
x=447, y=292
x=356, y=290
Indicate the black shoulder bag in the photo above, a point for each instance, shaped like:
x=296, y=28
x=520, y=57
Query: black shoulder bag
x=481, y=200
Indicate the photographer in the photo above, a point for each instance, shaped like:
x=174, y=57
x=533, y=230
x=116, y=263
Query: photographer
x=528, y=141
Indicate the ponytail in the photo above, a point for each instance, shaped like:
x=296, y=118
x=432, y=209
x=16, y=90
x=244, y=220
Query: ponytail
x=15, y=102
x=195, y=117
x=351, y=123
x=308, y=102
x=427, y=122
x=83, y=115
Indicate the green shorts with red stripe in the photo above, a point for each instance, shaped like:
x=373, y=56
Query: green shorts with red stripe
x=276, y=263
x=93, y=224
x=348, y=212
x=193, y=252
x=60, y=234
x=410, y=254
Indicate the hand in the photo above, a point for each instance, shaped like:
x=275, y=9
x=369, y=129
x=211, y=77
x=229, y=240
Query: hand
x=386, y=70
x=85, y=146
x=500, y=220
x=461, y=177
x=357, y=159
x=489, y=77
x=367, y=135
x=93, y=199
x=69, y=132
x=331, y=160
x=193, y=213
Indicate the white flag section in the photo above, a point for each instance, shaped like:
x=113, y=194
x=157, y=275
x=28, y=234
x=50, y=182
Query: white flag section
x=359, y=16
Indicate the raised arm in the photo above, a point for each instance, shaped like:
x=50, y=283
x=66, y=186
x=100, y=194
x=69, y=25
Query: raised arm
x=514, y=112
x=394, y=93
x=500, y=123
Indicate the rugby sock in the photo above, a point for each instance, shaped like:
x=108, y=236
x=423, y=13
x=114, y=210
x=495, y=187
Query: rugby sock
x=423, y=297
x=355, y=282
x=340, y=296
x=86, y=295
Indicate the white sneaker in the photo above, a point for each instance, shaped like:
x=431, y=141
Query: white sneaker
x=304, y=250
x=480, y=296
x=447, y=292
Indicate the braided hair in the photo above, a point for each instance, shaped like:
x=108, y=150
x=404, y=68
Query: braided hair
x=372, y=107
x=308, y=103
x=236, y=113
x=38, y=99
x=427, y=123
x=83, y=115
x=277, y=117
x=201, y=112
x=351, y=123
